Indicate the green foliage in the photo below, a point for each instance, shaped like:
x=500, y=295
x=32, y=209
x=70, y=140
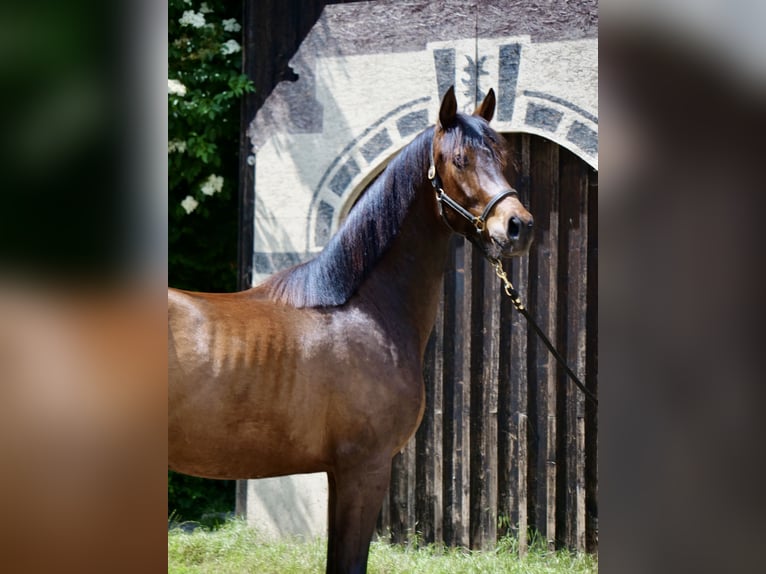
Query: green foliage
x=198, y=499
x=235, y=549
x=205, y=87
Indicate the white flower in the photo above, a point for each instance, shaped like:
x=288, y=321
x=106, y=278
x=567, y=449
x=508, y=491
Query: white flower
x=189, y=204
x=176, y=87
x=204, y=8
x=191, y=18
x=230, y=47
x=213, y=185
x=176, y=145
x=231, y=25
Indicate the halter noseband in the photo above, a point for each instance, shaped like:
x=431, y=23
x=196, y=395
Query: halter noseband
x=479, y=222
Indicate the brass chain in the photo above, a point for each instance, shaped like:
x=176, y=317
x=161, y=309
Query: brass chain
x=514, y=295
x=507, y=285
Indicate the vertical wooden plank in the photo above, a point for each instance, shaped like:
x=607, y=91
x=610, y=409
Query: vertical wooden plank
x=456, y=399
x=523, y=524
x=448, y=400
x=484, y=347
x=411, y=463
x=240, y=500
x=402, y=494
x=402, y=505
x=552, y=377
x=490, y=365
x=424, y=448
x=436, y=502
x=384, y=519
x=429, y=446
x=475, y=378
x=448, y=350
x=573, y=236
x=519, y=354
x=537, y=207
x=398, y=500
x=550, y=478
x=507, y=431
x=463, y=394
x=544, y=180
x=576, y=225
x=506, y=426
x=591, y=370
x=579, y=542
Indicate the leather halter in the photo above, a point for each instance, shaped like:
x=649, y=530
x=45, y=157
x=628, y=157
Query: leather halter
x=479, y=222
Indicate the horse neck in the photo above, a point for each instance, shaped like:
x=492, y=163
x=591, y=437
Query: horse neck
x=406, y=284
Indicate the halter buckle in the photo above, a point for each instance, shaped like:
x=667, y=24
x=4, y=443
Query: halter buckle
x=431, y=172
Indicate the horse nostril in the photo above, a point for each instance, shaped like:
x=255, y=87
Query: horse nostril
x=514, y=227
x=531, y=222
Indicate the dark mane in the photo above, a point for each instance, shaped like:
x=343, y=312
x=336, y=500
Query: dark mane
x=333, y=276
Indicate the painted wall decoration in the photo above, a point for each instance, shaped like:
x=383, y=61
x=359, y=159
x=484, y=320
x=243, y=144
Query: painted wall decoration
x=370, y=77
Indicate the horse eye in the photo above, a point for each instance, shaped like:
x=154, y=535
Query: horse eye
x=459, y=161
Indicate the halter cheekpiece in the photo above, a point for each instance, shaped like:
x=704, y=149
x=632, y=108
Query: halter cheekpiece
x=479, y=222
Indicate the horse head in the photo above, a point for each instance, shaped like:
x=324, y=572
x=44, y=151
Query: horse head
x=467, y=172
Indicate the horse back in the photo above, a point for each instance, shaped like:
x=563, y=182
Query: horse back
x=262, y=389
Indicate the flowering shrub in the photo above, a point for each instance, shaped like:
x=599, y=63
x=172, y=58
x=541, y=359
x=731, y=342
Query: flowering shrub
x=205, y=86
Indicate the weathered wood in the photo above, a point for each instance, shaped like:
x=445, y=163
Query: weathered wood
x=506, y=426
x=240, y=500
x=463, y=393
x=544, y=198
x=591, y=370
x=436, y=502
x=485, y=319
x=571, y=336
x=411, y=462
x=448, y=396
x=398, y=499
x=505, y=434
x=578, y=541
x=384, y=519
x=508, y=379
x=573, y=247
x=424, y=449
x=522, y=482
x=429, y=478
x=475, y=374
x=519, y=359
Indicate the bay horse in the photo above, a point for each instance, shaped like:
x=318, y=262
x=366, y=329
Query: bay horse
x=319, y=368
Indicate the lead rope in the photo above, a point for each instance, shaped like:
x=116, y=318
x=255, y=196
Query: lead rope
x=514, y=295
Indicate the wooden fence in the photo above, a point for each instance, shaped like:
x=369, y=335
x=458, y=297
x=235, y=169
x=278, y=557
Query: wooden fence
x=507, y=442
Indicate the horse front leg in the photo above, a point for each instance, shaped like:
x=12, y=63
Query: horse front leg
x=356, y=496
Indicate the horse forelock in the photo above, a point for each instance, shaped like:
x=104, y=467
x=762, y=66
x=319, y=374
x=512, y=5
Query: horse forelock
x=335, y=274
x=473, y=132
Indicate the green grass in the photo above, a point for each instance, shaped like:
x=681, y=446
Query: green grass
x=235, y=549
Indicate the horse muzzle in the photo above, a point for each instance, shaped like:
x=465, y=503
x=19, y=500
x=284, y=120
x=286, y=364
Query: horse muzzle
x=512, y=237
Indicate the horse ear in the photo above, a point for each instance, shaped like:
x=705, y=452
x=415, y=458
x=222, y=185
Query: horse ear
x=486, y=109
x=448, y=108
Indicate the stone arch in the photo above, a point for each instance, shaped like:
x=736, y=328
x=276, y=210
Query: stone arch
x=361, y=160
